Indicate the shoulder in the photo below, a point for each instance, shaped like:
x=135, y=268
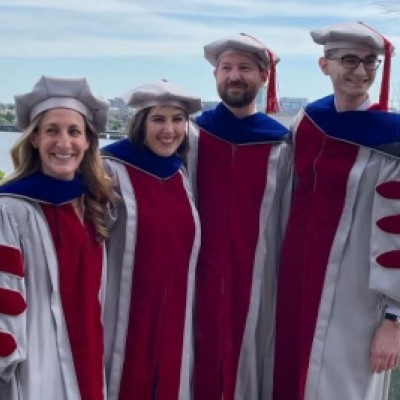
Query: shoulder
x=18, y=214
x=324, y=103
x=113, y=167
x=17, y=205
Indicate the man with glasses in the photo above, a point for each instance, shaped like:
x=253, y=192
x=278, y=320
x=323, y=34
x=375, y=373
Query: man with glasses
x=338, y=331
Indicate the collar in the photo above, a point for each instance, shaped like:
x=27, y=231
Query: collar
x=255, y=128
x=144, y=159
x=43, y=188
x=372, y=128
x=362, y=107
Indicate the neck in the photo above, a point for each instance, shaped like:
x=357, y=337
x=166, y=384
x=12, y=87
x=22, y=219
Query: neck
x=350, y=103
x=242, y=112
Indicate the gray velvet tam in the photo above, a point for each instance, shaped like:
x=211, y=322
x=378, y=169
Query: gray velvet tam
x=241, y=43
x=56, y=92
x=161, y=93
x=349, y=36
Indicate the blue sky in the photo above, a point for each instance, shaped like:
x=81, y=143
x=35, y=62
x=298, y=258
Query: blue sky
x=119, y=44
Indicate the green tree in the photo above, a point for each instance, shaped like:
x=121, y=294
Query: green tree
x=394, y=393
x=9, y=116
x=114, y=124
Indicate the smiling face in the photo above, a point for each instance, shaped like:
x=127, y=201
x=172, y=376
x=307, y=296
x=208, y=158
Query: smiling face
x=61, y=141
x=350, y=86
x=239, y=79
x=165, y=129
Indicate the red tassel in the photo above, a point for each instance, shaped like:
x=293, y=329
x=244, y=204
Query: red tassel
x=272, y=104
x=384, y=94
x=385, y=83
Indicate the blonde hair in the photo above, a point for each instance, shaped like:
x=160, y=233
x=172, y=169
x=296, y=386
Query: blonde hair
x=97, y=183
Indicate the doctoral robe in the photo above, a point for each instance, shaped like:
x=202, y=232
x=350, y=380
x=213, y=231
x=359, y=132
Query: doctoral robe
x=335, y=279
x=241, y=170
x=153, y=249
x=52, y=277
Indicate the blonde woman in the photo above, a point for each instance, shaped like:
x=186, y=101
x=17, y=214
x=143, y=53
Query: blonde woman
x=52, y=231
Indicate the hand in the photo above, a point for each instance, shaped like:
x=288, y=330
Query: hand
x=385, y=347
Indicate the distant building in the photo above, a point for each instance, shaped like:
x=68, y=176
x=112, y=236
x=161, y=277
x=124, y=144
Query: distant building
x=261, y=99
x=208, y=105
x=287, y=105
x=292, y=105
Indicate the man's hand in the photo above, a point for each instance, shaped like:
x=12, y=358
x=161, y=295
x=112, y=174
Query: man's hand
x=385, y=347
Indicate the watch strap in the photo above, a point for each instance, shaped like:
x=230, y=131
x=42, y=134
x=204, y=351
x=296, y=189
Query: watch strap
x=394, y=318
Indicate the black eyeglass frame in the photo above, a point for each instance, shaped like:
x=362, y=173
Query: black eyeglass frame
x=372, y=66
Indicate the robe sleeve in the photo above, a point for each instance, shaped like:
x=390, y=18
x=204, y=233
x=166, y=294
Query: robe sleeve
x=13, y=335
x=122, y=234
x=385, y=241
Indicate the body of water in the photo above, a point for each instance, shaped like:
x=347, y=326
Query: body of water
x=7, y=139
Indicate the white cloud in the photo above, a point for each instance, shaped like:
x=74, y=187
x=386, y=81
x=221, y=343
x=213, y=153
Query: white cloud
x=76, y=28
x=169, y=28
x=201, y=8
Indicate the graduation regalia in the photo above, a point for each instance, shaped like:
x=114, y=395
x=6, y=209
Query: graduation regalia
x=51, y=294
x=338, y=270
x=241, y=168
x=153, y=250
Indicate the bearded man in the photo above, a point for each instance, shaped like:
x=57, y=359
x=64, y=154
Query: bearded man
x=240, y=165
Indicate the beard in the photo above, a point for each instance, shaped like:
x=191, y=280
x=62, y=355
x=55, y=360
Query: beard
x=237, y=98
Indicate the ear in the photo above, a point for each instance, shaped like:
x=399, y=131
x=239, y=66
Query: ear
x=323, y=64
x=87, y=143
x=215, y=72
x=33, y=140
x=264, y=74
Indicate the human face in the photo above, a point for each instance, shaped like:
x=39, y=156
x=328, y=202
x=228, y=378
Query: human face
x=61, y=141
x=238, y=79
x=165, y=129
x=349, y=85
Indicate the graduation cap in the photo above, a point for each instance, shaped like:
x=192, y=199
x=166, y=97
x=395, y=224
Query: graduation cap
x=161, y=93
x=57, y=92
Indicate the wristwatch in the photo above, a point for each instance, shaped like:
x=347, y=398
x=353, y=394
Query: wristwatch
x=394, y=318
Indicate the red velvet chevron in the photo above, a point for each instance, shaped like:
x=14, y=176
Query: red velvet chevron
x=11, y=261
x=389, y=224
x=7, y=344
x=12, y=302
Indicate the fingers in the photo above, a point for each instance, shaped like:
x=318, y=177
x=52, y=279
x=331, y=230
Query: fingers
x=384, y=363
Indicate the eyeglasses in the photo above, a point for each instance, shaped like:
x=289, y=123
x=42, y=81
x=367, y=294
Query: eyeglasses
x=371, y=63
